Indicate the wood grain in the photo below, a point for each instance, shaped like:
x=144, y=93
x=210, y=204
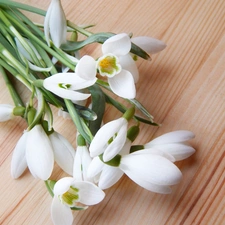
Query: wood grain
x=183, y=87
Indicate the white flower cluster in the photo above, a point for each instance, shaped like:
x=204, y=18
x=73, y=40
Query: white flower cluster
x=100, y=160
x=101, y=164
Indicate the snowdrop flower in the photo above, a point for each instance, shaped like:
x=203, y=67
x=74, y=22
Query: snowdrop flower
x=69, y=193
x=109, y=139
x=34, y=150
x=63, y=152
x=6, y=112
x=151, y=171
x=55, y=24
x=106, y=175
x=19, y=162
x=116, y=64
x=68, y=85
x=82, y=160
x=149, y=44
x=173, y=143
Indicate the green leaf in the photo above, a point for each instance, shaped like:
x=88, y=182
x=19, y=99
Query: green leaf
x=98, y=106
x=101, y=38
x=71, y=46
x=122, y=109
x=142, y=108
x=13, y=4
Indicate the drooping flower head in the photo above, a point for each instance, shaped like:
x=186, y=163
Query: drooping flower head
x=151, y=171
x=55, y=24
x=37, y=151
x=174, y=143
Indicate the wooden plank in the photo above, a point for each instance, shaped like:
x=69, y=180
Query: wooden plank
x=183, y=87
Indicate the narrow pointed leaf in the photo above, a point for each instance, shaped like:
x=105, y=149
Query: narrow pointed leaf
x=100, y=38
x=98, y=106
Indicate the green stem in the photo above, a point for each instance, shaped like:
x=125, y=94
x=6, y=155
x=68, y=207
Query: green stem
x=16, y=74
x=50, y=186
x=12, y=4
x=15, y=96
x=79, y=29
x=17, y=34
x=79, y=122
x=61, y=57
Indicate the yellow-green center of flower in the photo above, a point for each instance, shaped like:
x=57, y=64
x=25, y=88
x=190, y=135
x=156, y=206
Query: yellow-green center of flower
x=71, y=196
x=64, y=86
x=108, y=65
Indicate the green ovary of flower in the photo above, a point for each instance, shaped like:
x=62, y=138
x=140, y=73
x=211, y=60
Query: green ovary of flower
x=70, y=196
x=108, y=65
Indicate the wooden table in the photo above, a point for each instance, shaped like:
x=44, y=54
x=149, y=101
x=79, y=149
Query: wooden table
x=183, y=87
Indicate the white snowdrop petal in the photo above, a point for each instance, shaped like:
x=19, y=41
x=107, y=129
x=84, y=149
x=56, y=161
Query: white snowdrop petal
x=149, y=44
x=63, y=185
x=46, y=23
x=103, y=135
x=127, y=63
x=119, y=44
x=86, y=160
x=69, y=94
x=116, y=145
x=39, y=153
x=109, y=176
x=161, y=189
x=172, y=137
x=156, y=151
x=81, y=163
x=76, y=82
x=89, y=193
x=60, y=213
x=86, y=68
x=95, y=167
x=77, y=165
x=178, y=150
x=63, y=152
x=19, y=163
x=151, y=168
x=123, y=85
x=57, y=23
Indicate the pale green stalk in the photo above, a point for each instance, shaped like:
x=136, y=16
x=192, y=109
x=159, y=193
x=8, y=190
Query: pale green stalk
x=22, y=6
x=59, y=54
x=15, y=96
x=78, y=121
x=79, y=29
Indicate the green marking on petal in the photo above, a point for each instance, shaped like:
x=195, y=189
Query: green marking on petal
x=70, y=196
x=108, y=65
x=64, y=86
